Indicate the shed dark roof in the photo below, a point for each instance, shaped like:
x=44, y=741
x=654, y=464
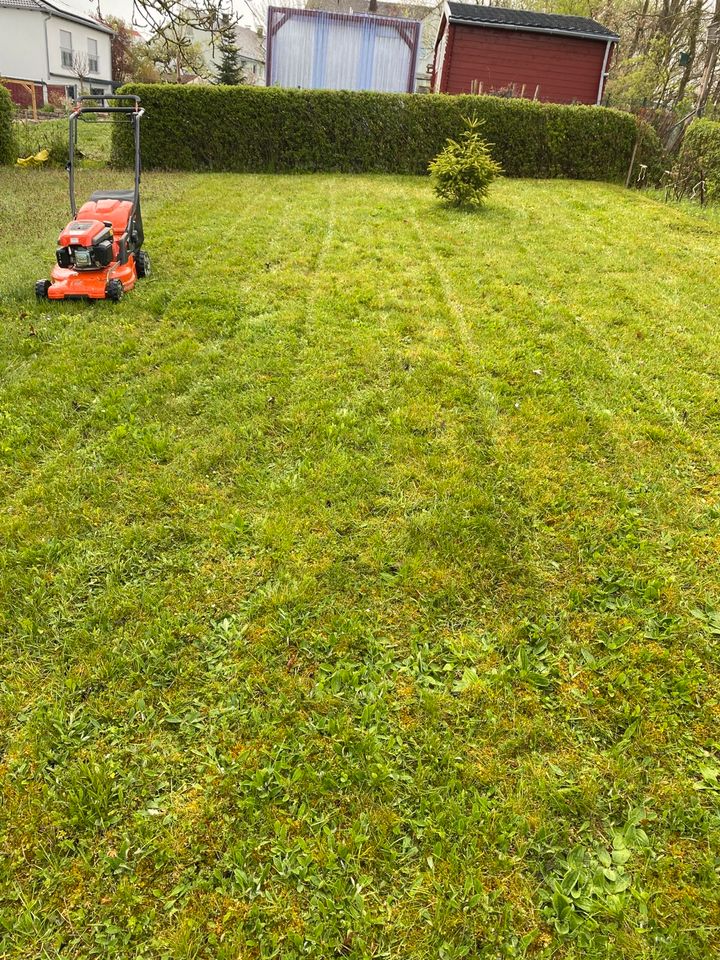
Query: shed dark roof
x=529, y=20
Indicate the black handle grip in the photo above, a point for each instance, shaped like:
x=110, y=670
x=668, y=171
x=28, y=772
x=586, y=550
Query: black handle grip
x=109, y=96
x=105, y=110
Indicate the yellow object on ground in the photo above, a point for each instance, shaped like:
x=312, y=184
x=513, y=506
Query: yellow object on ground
x=35, y=160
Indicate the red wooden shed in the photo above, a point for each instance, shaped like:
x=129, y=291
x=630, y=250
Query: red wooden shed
x=541, y=56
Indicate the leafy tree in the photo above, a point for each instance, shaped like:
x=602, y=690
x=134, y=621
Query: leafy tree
x=665, y=46
x=639, y=79
x=177, y=60
x=131, y=56
x=144, y=67
x=122, y=46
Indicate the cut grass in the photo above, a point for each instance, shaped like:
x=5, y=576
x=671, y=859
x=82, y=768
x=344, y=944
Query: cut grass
x=360, y=577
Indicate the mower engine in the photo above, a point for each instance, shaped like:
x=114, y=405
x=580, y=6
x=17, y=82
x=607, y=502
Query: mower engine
x=86, y=245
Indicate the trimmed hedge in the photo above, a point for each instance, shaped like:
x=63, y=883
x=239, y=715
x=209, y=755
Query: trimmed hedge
x=7, y=143
x=247, y=129
x=699, y=156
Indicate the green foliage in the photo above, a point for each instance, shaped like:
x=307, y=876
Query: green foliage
x=131, y=59
x=590, y=889
x=464, y=169
x=173, y=57
x=268, y=129
x=229, y=72
x=635, y=80
x=650, y=152
x=7, y=144
x=92, y=148
x=52, y=136
x=699, y=157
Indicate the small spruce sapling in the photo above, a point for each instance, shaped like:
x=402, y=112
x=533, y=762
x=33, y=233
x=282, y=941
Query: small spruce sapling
x=464, y=169
x=229, y=71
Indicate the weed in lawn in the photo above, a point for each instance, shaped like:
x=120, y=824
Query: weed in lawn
x=87, y=795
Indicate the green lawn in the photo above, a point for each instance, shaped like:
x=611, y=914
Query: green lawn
x=360, y=591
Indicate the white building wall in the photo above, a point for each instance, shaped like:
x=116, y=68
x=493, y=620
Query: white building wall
x=22, y=44
x=253, y=71
x=25, y=54
x=80, y=34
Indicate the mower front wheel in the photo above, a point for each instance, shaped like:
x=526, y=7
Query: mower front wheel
x=41, y=289
x=142, y=264
x=114, y=290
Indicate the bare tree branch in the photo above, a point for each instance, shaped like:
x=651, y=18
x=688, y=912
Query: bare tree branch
x=171, y=27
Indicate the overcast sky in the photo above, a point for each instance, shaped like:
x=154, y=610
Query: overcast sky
x=117, y=8
x=123, y=8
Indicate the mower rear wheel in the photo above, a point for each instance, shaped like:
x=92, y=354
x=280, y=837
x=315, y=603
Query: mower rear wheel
x=114, y=290
x=41, y=289
x=142, y=264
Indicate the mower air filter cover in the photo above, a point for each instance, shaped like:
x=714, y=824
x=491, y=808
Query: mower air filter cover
x=84, y=233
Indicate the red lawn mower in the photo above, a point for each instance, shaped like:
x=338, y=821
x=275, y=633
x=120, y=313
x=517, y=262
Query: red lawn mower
x=99, y=253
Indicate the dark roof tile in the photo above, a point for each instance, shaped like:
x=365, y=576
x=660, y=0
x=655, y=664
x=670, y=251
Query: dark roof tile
x=59, y=9
x=530, y=20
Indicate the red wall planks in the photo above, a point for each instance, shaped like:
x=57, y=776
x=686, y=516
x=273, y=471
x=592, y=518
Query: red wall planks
x=567, y=69
x=21, y=95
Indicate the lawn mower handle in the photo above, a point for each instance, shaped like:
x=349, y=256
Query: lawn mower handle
x=93, y=99
x=134, y=111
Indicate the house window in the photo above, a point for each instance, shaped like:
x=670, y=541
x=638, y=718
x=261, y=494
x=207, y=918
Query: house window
x=66, y=50
x=93, y=63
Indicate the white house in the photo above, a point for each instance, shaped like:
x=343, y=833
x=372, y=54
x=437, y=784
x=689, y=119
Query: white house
x=251, y=55
x=250, y=48
x=46, y=45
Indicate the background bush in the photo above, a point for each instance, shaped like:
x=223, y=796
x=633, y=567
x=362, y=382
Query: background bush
x=269, y=129
x=699, y=156
x=7, y=144
x=31, y=137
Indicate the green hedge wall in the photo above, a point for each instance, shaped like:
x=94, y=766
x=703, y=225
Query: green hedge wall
x=270, y=129
x=699, y=156
x=7, y=144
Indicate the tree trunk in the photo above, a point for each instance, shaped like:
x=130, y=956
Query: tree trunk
x=692, y=48
x=638, y=30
